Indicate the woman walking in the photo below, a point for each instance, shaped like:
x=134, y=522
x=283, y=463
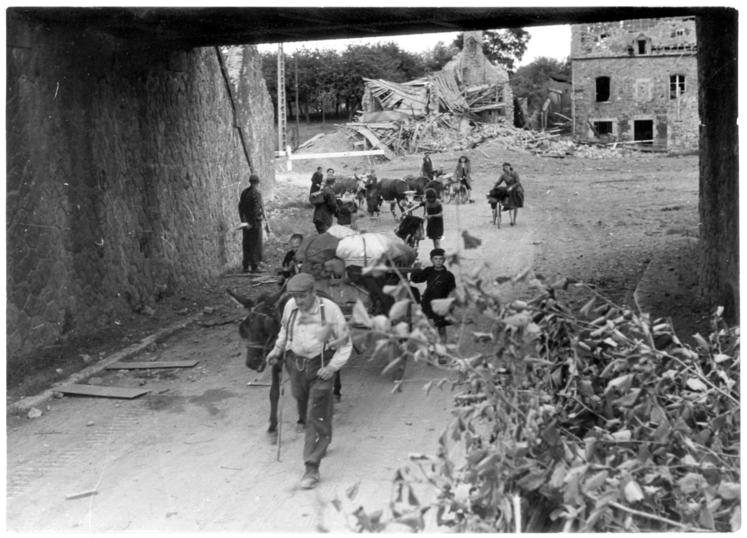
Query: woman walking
x=434, y=215
x=509, y=191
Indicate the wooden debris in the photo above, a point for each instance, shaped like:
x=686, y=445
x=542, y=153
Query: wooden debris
x=311, y=140
x=152, y=364
x=103, y=392
x=371, y=137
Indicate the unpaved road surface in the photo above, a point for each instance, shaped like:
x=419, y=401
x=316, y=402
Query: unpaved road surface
x=192, y=454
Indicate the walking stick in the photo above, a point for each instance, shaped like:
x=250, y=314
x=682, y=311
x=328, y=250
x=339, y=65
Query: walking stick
x=280, y=407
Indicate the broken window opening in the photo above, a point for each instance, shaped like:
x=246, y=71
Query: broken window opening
x=603, y=89
x=641, y=46
x=603, y=128
x=676, y=86
x=643, y=131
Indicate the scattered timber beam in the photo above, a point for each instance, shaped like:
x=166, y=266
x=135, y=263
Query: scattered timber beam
x=151, y=364
x=373, y=125
x=306, y=156
x=376, y=142
x=495, y=106
x=104, y=392
x=311, y=140
x=81, y=494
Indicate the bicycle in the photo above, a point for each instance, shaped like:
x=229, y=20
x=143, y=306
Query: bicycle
x=455, y=191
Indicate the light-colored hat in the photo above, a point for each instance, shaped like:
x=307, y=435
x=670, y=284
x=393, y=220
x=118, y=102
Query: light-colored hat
x=300, y=283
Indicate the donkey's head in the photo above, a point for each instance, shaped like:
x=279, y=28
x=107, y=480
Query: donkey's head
x=259, y=328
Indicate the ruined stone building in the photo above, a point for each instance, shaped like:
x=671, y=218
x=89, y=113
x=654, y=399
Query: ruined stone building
x=636, y=80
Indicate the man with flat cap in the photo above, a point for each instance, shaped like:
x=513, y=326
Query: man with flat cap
x=314, y=343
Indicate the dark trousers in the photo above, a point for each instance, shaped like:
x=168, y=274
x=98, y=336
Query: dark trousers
x=316, y=393
x=251, y=244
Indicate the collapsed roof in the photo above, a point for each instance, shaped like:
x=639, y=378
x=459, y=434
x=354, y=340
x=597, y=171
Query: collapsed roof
x=467, y=85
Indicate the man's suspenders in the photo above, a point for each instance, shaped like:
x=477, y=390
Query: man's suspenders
x=292, y=318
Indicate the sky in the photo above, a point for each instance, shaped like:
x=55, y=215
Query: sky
x=548, y=41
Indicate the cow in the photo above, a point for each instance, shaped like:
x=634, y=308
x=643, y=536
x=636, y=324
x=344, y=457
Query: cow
x=393, y=191
x=353, y=185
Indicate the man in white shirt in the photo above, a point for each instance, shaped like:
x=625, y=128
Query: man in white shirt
x=315, y=343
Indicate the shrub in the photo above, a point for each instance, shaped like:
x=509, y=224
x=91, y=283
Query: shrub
x=596, y=419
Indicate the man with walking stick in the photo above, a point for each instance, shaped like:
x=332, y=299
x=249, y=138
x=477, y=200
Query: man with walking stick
x=314, y=343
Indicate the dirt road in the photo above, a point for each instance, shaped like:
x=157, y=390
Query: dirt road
x=192, y=455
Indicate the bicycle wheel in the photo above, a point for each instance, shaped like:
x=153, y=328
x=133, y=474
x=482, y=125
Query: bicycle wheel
x=462, y=195
x=497, y=215
x=449, y=194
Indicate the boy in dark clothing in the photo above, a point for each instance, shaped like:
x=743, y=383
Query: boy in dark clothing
x=316, y=180
x=440, y=283
x=290, y=265
x=325, y=206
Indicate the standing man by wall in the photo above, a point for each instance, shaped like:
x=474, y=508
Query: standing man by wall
x=252, y=213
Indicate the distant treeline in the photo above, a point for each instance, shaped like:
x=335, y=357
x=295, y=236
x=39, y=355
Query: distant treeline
x=330, y=83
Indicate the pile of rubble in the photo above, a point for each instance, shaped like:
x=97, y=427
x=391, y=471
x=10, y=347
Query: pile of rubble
x=448, y=132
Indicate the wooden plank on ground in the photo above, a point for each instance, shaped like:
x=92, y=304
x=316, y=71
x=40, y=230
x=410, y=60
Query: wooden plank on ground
x=135, y=365
x=389, y=154
x=103, y=392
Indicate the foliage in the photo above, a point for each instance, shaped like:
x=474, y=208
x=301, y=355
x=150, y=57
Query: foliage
x=436, y=58
x=329, y=81
x=502, y=47
x=593, y=420
x=533, y=81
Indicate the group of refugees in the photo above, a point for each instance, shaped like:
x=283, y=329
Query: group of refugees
x=314, y=342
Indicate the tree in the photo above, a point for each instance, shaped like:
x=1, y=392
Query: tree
x=438, y=56
x=503, y=47
x=329, y=81
x=532, y=81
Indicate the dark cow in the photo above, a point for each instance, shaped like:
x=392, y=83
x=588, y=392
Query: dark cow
x=258, y=330
x=354, y=185
x=386, y=190
x=417, y=184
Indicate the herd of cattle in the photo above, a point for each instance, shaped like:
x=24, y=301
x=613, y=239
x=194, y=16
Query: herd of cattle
x=372, y=192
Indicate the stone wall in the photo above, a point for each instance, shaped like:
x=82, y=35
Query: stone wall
x=639, y=81
x=123, y=174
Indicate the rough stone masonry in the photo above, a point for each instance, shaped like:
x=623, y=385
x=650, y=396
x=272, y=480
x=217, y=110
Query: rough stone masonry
x=124, y=167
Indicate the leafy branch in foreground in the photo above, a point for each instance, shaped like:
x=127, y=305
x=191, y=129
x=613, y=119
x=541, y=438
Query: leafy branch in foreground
x=599, y=419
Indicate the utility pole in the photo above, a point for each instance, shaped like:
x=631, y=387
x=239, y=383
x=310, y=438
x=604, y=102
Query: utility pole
x=282, y=119
x=298, y=127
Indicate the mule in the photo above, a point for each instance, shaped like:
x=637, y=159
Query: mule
x=258, y=330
